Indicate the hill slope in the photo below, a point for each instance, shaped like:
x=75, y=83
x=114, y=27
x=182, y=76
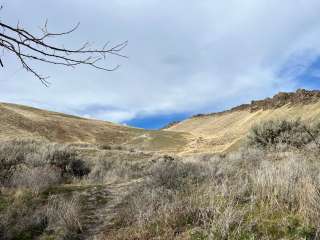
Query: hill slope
x=219, y=132
x=19, y=121
x=216, y=132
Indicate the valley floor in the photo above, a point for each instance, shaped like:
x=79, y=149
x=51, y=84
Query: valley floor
x=264, y=190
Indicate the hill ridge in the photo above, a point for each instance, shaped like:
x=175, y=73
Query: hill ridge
x=301, y=96
x=24, y=122
x=224, y=131
x=215, y=132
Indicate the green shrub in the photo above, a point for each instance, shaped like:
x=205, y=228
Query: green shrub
x=293, y=133
x=67, y=161
x=77, y=168
x=60, y=156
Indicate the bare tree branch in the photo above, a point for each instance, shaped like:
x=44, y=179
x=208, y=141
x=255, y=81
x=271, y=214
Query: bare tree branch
x=27, y=47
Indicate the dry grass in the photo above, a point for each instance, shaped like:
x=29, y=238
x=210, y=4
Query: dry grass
x=36, y=179
x=26, y=162
x=225, y=131
x=64, y=214
x=19, y=121
x=251, y=194
x=24, y=217
x=113, y=165
x=27, y=169
x=108, y=170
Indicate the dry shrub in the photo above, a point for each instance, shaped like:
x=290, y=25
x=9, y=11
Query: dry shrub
x=292, y=183
x=36, y=179
x=108, y=169
x=40, y=156
x=251, y=194
x=17, y=149
x=293, y=133
x=66, y=159
x=226, y=221
x=279, y=182
x=59, y=155
x=26, y=169
x=24, y=218
x=63, y=213
x=174, y=174
x=159, y=213
x=13, y=153
x=28, y=217
x=309, y=199
x=175, y=196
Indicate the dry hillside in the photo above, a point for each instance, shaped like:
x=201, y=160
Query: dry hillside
x=19, y=121
x=130, y=184
x=218, y=132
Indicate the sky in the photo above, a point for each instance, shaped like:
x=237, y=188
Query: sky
x=184, y=56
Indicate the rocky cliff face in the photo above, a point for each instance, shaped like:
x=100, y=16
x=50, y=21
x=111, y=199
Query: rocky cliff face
x=301, y=96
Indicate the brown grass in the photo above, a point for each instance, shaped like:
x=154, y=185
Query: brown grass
x=25, y=122
x=250, y=194
x=36, y=179
x=225, y=131
x=64, y=214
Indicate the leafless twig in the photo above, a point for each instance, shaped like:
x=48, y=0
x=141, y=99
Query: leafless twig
x=27, y=47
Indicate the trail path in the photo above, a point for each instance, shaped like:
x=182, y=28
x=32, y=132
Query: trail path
x=100, y=207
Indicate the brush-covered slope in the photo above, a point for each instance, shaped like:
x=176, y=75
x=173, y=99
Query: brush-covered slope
x=224, y=131
x=216, y=132
x=17, y=121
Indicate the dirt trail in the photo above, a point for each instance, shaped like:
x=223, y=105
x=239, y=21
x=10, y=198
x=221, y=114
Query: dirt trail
x=100, y=207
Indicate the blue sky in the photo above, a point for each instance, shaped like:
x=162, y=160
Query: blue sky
x=310, y=78
x=185, y=57
x=156, y=122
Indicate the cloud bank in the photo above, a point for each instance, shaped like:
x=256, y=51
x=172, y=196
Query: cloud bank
x=184, y=56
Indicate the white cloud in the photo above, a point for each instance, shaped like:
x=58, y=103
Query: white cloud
x=184, y=55
x=115, y=115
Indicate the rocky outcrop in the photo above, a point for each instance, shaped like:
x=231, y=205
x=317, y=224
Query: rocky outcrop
x=301, y=96
x=171, y=124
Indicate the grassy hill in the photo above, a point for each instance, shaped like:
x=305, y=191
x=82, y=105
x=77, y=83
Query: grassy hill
x=19, y=121
x=78, y=178
x=216, y=132
x=219, y=132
